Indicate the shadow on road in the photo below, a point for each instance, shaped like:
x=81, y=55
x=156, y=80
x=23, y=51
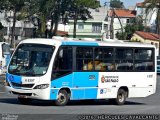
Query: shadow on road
x=71, y=103
x=99, y=102
x=9, y=100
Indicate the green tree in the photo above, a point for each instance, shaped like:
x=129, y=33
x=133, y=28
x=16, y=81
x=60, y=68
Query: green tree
x=42, y=11
x=79, y=10
x=113, y=5
x=15, y=6
x=135, y=25
x=38, y=12
x=59, y=12
x=150, y=6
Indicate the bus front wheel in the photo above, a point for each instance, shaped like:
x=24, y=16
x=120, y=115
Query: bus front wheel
x=121, y=97
x=63, y=98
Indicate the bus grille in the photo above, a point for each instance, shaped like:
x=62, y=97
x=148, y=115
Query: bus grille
x=26, y=94
x=22, y=85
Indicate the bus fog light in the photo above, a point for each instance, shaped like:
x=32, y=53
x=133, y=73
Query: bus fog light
x=42, y=86
x=34, y=94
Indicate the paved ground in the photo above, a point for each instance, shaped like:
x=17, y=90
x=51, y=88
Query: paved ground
x=10, y=105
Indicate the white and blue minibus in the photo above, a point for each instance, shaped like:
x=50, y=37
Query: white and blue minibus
x=63, y=70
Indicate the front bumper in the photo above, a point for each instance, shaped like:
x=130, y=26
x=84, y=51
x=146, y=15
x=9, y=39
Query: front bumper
x=41, y=94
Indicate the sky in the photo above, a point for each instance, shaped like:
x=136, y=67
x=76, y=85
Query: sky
x=126, y=3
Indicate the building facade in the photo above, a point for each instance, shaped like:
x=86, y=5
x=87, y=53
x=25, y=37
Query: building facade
x=147, y=37
x=125, y=16
x=23, y=28
x=96, y=27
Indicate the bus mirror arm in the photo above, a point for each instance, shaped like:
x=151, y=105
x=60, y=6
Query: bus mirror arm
x=3, y=54
x=2, y=50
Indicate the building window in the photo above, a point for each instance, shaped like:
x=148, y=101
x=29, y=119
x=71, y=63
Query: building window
x=156, y=44
x=105, y=27
x=80, y=26
x=128, y=21
x=96, y=27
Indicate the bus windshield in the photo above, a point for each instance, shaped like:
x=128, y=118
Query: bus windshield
x=31, y=60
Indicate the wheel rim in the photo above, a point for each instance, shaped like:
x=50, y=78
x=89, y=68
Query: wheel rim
x=121, y=97
x=61, y=98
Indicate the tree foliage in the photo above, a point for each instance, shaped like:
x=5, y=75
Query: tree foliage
x=135, y=25
x=15, y=6
x=54, y=10
x=150, y=6
x=39, y=12
x=79, y=10
x=114, y=4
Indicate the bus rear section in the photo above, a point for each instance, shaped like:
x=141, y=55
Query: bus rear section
x=78, y=70
x=103, y=72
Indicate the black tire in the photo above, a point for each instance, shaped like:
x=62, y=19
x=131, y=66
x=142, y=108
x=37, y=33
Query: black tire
x=121, y=97
x=24, y=101
x=63, y=98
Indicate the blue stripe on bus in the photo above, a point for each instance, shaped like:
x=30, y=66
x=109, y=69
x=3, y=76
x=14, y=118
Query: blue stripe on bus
x=80, y=43
x=14, y=78
x=63, y=82
x=83, y=85
x=88, y=81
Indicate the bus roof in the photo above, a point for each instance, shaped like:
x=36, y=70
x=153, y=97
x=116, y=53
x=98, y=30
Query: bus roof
x=56, y=42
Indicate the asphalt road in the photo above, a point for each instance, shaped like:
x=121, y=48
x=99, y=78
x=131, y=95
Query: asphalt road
x=46, y=109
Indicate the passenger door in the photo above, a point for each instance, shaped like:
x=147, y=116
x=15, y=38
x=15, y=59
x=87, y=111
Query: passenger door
x=85, y=79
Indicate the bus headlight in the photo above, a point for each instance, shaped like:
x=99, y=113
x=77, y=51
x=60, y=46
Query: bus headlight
x=42, y=86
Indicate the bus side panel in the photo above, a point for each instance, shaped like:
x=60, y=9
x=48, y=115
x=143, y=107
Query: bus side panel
x=87, y=82
x=140, y=92
x=77, y=94
x=91, y=93
x=139, y=84
x=57, y=84
x=107, y=85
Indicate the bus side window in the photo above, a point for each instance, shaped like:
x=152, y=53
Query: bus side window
x=104, y=59
x=84, y=58
x=124, y=59
x=63, y=62
x=144, y=59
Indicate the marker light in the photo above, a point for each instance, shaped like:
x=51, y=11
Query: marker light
x=42, y=86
